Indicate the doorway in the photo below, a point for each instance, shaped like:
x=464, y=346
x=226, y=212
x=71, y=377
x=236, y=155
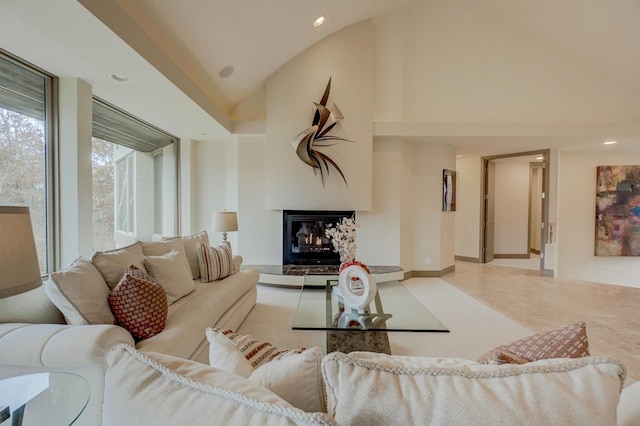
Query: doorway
x=514, y=213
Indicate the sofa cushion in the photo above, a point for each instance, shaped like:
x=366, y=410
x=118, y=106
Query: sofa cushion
x=112, y=263
x=414, y=390
x=293, y=374
x=158, y=248
x=189, y=244
x=139, y=304
x=159, y=389
x=184, y=333
x=81, y=294
x=215, y=262
x=567, y=342
x=171, y=271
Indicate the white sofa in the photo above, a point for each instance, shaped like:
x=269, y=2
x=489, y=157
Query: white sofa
x=373, y=389
x=35, y=337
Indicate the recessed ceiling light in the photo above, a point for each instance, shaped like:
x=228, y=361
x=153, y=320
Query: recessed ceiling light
x=120, y=78
x=226, y=71
x=319, y=21
x=610, y=142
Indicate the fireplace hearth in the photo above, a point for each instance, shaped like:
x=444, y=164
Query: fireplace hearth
x=304, y=240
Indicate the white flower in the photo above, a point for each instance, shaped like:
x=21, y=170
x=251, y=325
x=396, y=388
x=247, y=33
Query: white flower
x=343, y=238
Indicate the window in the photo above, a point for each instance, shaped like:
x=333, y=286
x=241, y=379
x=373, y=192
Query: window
x=26, y=146
x=134, y=189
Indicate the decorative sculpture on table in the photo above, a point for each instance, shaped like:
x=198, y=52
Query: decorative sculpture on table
x=356, y=286
x=316, y=136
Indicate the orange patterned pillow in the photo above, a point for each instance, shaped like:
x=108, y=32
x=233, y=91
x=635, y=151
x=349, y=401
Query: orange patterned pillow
x=139, y=304
x=568, y=342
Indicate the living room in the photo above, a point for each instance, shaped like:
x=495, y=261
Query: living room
x=427, y=87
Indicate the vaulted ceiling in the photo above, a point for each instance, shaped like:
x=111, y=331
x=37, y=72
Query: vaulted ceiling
x=175, y=52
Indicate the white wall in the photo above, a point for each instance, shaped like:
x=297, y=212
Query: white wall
x=576, y=221
x=511, y=208
x=76, y=209
x=469, y=203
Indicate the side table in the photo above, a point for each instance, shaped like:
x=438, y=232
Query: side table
x=43, y=398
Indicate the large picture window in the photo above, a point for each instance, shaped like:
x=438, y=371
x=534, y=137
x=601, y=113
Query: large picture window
x=26, y=146
x=134, y=187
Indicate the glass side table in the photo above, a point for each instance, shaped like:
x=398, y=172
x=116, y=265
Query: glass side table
x=43, y=399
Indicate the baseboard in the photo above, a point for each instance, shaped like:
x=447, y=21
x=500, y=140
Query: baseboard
x=429, y=274
x=468, y=259
x=548, y=273
x=512, y=256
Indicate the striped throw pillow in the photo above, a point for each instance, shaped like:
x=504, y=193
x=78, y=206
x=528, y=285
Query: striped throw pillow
x=256, y=352
x=215, y=262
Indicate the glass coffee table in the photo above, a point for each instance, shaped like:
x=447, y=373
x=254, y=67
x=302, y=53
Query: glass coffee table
x=393, y=309
x=43, y=399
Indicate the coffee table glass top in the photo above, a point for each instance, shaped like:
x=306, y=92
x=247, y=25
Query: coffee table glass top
x=393, y=309
x=44, y=398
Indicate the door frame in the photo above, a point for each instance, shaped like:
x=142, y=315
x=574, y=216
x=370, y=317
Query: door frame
x=484, y=182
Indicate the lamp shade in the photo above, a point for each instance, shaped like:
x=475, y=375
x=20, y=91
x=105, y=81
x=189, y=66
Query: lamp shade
x=19, y=268
x=224, y=222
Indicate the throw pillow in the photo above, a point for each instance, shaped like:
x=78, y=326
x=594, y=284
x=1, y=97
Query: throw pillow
x=139, y=304
x=157, y=389
x=189, y=244
x=158, y=248
x=568, y=342
x=367, y=388
x=293, y=374
x=80, y=293
x=112, y=263
x=215, y=262
x=172, y=272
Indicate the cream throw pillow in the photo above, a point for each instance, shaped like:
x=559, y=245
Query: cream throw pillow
x=112, y=263
x=80, y=293
x=158, y=248
x=172, y=272
x=189, y=244
x=157, y=389
x=293, y=374
x=378, y=389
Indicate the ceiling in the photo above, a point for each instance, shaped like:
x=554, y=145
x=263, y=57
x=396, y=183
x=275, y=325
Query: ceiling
x=173, y=53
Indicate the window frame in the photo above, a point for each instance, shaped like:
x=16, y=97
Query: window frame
x=52, y=187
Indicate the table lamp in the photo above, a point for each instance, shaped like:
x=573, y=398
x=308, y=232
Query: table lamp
x=19, y=267
x=224, y=222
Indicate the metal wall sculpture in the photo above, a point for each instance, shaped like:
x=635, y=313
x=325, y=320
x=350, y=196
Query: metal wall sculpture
x=306, y=143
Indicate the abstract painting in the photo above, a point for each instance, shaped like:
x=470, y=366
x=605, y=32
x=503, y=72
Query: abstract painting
x=617, y=211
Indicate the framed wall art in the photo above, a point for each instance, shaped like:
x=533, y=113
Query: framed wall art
x=448, y=190
x=617, y=211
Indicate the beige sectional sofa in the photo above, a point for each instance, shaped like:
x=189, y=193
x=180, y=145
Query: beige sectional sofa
x=35, y=335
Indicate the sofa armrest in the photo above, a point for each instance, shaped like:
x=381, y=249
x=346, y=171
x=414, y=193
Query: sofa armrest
x=58, y=345
x=237, y=262
x=629, y=406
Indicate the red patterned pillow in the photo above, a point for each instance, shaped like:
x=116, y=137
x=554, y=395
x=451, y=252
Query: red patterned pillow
x=568, y=342
x=139, y=304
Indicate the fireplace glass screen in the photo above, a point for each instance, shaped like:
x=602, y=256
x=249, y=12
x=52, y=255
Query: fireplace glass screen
x=304, y=239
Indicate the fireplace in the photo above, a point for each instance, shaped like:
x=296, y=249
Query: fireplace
x=304, y=241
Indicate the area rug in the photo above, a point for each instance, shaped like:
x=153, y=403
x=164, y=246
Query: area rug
x=474, y=327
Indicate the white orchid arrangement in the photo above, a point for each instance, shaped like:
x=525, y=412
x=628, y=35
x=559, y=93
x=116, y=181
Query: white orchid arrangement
x=343, y=238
